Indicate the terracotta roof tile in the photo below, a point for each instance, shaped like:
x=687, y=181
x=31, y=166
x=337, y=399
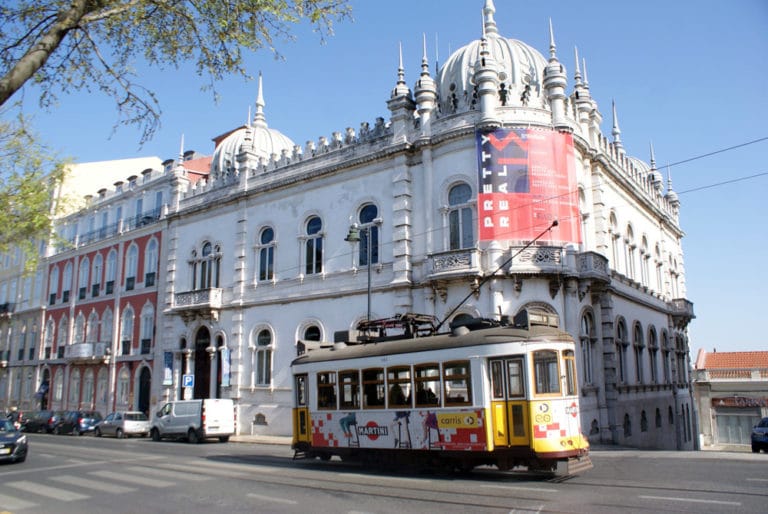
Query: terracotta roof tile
x=720, y=360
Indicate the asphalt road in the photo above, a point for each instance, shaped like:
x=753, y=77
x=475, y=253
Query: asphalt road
x=65, y=474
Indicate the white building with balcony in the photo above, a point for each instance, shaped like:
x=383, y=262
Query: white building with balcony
x=466, y=168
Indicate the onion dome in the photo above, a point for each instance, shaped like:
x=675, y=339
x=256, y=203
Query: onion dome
x=520, y=70
x=255, y=138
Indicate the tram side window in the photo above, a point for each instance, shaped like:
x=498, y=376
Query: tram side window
x=546, y=373
x=301, y=390
x=326, y=390
x=399, y=386
x=570, y=373
x=373, y=388
x=516, y=379
x=427, y=385
x=457, y=379
x=350, y=389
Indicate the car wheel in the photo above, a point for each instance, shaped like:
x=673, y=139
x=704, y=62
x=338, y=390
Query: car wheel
x=98, y=432
x=119, y=434
x=155, y=434
x=224, y=438
x=57, y=430
x=192, y=436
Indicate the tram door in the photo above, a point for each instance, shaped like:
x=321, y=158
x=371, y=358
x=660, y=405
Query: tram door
x=508, y=403
x=301, y=429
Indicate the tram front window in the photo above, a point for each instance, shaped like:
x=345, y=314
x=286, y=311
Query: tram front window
x=546, y=372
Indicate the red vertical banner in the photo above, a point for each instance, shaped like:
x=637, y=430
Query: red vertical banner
x=526, y=180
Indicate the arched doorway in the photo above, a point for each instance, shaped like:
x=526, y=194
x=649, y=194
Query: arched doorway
x=202, y=364
x=145, y=384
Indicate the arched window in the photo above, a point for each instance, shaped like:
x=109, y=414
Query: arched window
x=106, y=327
x=74, y=389
x=653, y=353
x=131, y=265
x=460, y=217
x=79, y=329
x=92, y=328
x=638, y=346
x=659, y=271
x=313, y=257
x=266, y=254
x=66, y=284
x=123, y=387
x=58, y=385
x=150, y=263
x=587, y=339
x=53, y=285
x=621, y=350
x=50, y=329
x=61, y=340
x=665, y=356
x=369, y=234
x=88, y=388
x=630, y=247
x=126, y=331
x=209, y=263
x=98, y=264
x=101, y=387
x=264, y=357
x=645, y=257
x=615, y=238
x=311, y=333
x=111, y=271
x=147, y=328
x=82, y=278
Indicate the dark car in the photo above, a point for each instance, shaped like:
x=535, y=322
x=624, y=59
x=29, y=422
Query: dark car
x=760, y=436
x=13, y=444
x=77, y=422
x=37, y=421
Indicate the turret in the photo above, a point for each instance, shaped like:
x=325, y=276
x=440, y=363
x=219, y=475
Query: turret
x=555, y=81
x=401, y=104
x=486, y=72
x=425, y=90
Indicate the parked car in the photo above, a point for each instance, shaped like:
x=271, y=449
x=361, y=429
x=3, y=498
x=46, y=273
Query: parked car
x=37, y=421
x=13, y=444
x=77, y=422
x=123, y=424
x=760, y=436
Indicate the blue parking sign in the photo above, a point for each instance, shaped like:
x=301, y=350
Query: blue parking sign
x=188, y=381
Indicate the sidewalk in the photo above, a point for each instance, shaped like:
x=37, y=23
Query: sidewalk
x=261, y=439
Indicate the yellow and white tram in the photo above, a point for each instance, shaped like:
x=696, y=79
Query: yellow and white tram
x=480, y=395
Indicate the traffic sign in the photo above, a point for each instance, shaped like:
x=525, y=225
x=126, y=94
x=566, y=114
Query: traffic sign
x=188, y=381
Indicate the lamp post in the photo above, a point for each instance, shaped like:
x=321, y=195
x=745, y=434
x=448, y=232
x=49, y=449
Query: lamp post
x=353, y=236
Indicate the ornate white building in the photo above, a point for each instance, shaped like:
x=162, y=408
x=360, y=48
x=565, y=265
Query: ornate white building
x=468, y=167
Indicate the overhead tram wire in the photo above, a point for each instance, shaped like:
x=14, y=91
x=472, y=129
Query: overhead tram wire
x=490, y=276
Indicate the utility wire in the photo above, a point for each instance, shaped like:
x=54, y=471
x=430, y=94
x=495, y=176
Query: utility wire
x=717, y=152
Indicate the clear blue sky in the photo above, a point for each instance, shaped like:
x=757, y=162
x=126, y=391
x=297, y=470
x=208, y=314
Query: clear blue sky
x=690, y=76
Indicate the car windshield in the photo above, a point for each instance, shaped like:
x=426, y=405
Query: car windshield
x=6, y=426
x=136, y=416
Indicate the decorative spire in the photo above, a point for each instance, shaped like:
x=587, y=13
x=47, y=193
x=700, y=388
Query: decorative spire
x=555, y=81
x=425, y=92
x=489, y=25
x=674, y=200
x=577, y=73
x=401, y=88
x=552, y=46
x=258, y=117
x=615, y=130
x=181, y=149
x=657, y=180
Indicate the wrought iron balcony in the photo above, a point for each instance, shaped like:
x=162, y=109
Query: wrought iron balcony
x=202, y=302
x=85, y=351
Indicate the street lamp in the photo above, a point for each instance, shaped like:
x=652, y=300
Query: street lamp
x=353, y=236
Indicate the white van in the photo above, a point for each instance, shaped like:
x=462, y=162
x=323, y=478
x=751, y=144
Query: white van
x=195, y=420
